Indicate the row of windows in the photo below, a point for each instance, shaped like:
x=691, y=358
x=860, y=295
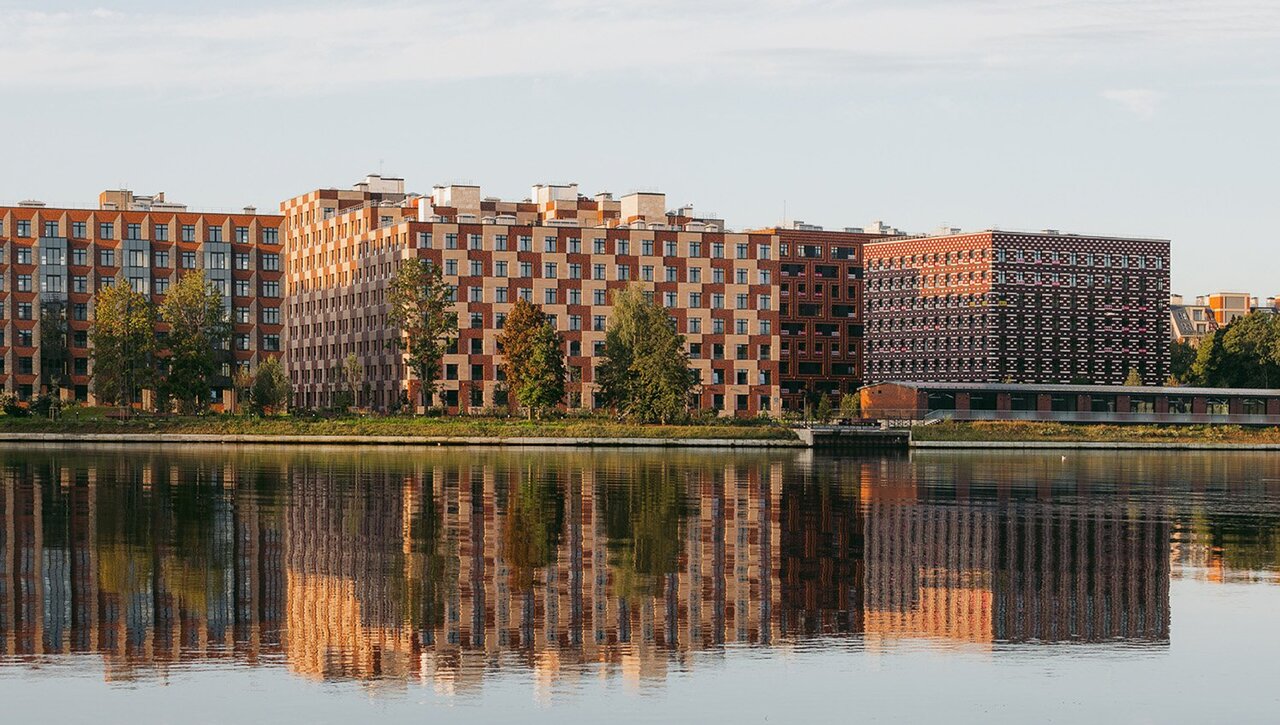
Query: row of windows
x=551, y=270
x=131, y=231
x=599, y=245
x=269, y=262
x=1020, y=256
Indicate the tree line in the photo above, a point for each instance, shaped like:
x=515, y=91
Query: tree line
x=1244, y=354
x=644, y=374
x=181, y=367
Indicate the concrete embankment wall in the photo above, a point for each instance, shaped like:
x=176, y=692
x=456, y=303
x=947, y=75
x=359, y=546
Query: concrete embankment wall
x=219, y=438
x=1095, y=445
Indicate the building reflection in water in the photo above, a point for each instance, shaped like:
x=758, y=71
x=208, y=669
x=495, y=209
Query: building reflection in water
x=444, y=567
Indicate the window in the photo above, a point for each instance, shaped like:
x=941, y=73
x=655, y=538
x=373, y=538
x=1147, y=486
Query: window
x=137, y=258
x=575, y=271
x=80, y=312
x=526, y=269
x=549, y=270
x=451, y=267
x=79, y=230
x=217, y=260
x=500, y=294
x=188, y=232
x=24, y=228
x=79, y=283
x=450, y=241
x=477, y=320
x=188, y=260
x=50, y=229
x=24, y=255
x=624, y=246
x=107, y=257
x=270, y=289
x=24, y=283
x=24, y=310
x=213, y=234
x=695, y=274
x=575, y=245
x=240, y=260
x=242, y=288
x=161, y=259
x=500, y=269
x=646, y=273
x=53, y=283
x=597, y=246
x=271, y=236
x=597, y=323
x=475, y=294
x=242, y=235
x=624, y=272
x=598, y=297
x=424, y=240
x=79, y=257
x=500, y=242
x=525, y=243
x=549, y=244
x=549, y=296
x=133, y=231
x=695, y=325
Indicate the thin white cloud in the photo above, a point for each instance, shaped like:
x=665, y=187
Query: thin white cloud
x=1141, y=102
x=306, y=47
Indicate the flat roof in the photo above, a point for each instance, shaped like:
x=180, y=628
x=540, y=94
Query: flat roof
x=1045, y=388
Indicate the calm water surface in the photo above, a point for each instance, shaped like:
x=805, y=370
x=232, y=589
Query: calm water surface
x=340, y=585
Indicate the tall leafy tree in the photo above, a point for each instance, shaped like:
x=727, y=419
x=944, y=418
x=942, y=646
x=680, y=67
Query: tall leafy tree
x=645, y=374
x=1244, y=354
x=352, y=378
x=533, y=358
x=421, y=309
x=1182, y=355
x=271, y=387
x=199, y=330
x=123, y=344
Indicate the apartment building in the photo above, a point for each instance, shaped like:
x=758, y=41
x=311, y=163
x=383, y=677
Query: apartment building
x=1001, y=306
x=1227, y=306
x=1190, y=322
x=54, y=260
x=568, y=253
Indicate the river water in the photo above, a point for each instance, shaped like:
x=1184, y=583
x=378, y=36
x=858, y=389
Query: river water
x=276, y=584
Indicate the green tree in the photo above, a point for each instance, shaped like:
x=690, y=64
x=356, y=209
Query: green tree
x=1182, y=355
x=532, y=358
x=645, y=372
x=851, y=405
x=1244, y=354
x=199, y=330
x=122, y=338
x=824, y=408
x=1134, y=378
x=271, y=387
x=352, y=377
x=421, y=310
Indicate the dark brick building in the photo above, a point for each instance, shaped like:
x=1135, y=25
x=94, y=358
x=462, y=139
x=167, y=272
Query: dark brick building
x=1021, y=307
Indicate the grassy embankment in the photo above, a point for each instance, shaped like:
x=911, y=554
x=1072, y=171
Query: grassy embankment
x=97, y=420
x=1032, y=431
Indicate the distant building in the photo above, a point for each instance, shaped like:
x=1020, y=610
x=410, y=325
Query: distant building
x=1001, y=306
x=1227, y=306
x=1190, y=322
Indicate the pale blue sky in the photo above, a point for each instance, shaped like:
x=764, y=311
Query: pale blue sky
x=1141, y=117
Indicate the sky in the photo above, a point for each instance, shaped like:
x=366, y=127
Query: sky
x=1152, y=118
